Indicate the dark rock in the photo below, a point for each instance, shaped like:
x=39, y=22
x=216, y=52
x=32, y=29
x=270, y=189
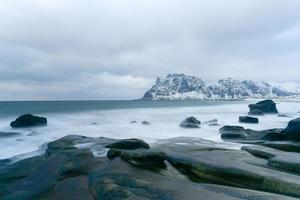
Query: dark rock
x=74, y=188
x=289, y=146
x=119, y=180
x=145, y=123
x=9, y=134
x=247, y=119
x=129, y=144
x=292, y=131
x=213, y=122
x=143, y=158
x=94, y=123
x=233, y=132
x=266, y=106
x=133, y=122
x=230, y=167
x=28, y=120
x=285, y=161
x=190, y=122
x=239, y=134
x=284, y=115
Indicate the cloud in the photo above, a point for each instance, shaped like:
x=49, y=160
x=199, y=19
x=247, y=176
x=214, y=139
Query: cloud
x=59, y=49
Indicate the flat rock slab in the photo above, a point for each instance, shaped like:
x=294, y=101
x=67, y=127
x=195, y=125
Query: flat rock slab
x=231, y=167
x=119, y=180
x=74, y=188
x=287, y=161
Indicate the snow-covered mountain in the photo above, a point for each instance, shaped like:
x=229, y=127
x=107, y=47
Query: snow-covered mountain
x=181, y=86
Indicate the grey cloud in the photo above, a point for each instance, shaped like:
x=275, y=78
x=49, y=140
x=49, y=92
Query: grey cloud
x=48, y=47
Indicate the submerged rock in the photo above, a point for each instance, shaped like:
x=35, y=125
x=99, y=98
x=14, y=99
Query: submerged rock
x=9, y=134
x=190, y=122
x=145, y=123
x=213, y=122
x=247, y=119
x=129, y=144
x=28, y=120
x=262, y=107
x=292, y=131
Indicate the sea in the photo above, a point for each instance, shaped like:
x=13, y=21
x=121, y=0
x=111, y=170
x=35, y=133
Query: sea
x=113, y=119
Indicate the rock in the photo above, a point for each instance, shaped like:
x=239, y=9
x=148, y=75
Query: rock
x=142, y=158
x=190, y=122
x=284, y=115
x=94, y=123
x=266, y=106
x=285, y=161
x=28, y=120
x=239, y=134
x=129, y=144
x=233, y=132
x=213, y=122
x=119, y=180
x=133, y=122
x=292, y=131
x=247, y=119
x=230, y=167
x=74, y=188
x=9, y=134
x=289, y=146
x=145, y=123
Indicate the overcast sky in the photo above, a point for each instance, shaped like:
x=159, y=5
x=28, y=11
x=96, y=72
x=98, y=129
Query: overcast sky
x=114, y=49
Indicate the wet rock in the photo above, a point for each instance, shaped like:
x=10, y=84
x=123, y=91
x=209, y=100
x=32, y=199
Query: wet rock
x=146, y=123
x=289, y=146
x=129, y=144
x=9, y=134
x=213, y=122
x=28, y=120
x=247, y=119
x=292, y=131
x=231, y=167
x=142, y=158
x=74, y=188
x=119, y=180
x=285, y=161
x=190, y=122
x=284, y=115
x=240, y=134
x=262, y=107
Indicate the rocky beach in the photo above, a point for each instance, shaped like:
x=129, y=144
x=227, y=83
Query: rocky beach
x=265, y=167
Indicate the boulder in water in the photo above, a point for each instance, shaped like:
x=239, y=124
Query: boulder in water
x=190, y=122
x=262, y=107
x=247, y=119
x=28, y=120
x=145, y=123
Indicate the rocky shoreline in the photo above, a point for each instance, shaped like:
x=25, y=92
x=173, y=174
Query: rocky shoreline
x=266, y=167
